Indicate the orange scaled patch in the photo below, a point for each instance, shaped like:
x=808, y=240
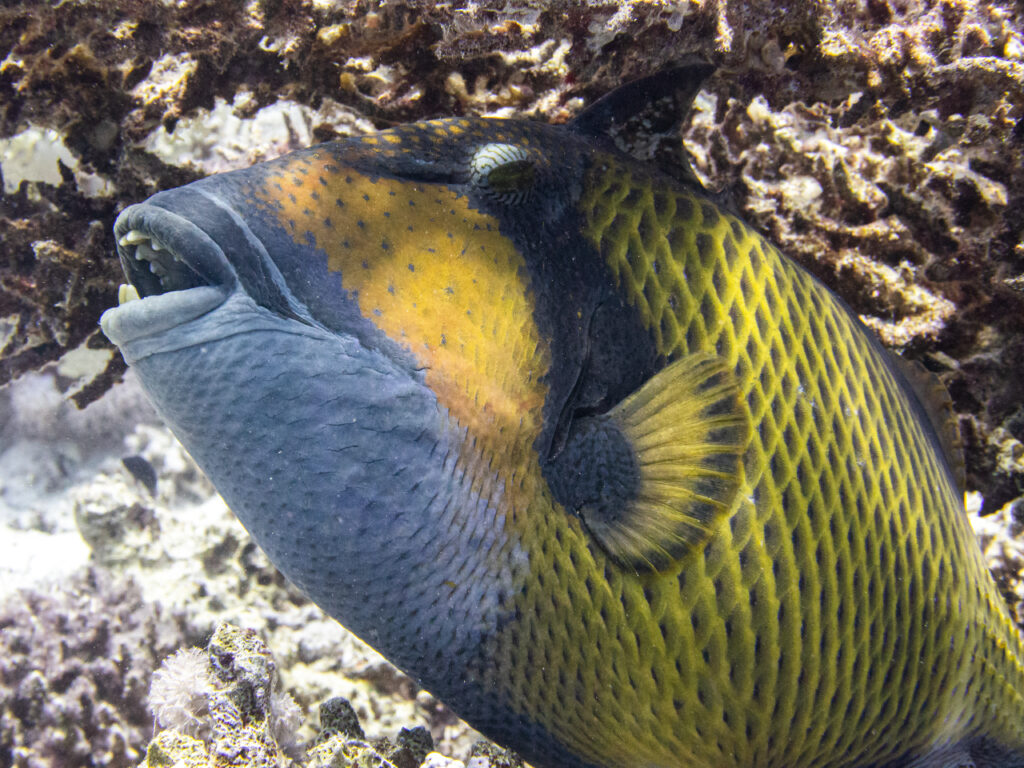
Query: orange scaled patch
x=437, y=277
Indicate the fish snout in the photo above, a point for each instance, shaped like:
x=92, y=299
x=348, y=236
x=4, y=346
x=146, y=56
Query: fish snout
x=175, y=271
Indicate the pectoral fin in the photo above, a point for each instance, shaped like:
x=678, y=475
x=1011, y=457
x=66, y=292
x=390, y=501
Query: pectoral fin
x=651, y=478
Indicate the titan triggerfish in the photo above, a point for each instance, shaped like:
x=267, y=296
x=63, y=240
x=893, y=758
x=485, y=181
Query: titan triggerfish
x=576, y=448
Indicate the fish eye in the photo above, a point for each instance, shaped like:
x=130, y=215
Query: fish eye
x=503, y=172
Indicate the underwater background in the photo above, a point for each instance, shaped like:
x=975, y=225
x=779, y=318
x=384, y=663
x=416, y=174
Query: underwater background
x=878, y=142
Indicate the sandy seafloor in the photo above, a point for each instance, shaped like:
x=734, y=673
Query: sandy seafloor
x=78, y=530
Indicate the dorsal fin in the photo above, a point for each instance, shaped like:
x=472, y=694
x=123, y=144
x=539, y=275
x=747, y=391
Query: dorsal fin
x=938, y=406
x=643, y=118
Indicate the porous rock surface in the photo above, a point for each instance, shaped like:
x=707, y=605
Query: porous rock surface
x=224, y=706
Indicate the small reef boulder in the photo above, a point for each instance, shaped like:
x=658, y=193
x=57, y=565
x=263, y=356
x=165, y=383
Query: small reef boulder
x=222, y=707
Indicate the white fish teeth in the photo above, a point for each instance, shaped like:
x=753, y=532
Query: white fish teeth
x=149, y=251
x=132, y=237
x=126, y=293
x=146, y=247
x=146, y=252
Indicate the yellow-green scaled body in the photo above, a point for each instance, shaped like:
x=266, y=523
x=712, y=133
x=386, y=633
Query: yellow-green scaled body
x=577, y=449
x=843, y=614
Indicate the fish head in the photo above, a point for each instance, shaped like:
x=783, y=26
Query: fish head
x=358, y=344
x=397, y=239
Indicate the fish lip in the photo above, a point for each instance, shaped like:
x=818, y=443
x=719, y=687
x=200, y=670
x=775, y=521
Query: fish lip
x=189, y=257
x=143, y=321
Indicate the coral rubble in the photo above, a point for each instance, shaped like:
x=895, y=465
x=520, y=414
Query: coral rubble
x=1002, y=540
x=341, y=742
x=75, y=665
x=223, y=707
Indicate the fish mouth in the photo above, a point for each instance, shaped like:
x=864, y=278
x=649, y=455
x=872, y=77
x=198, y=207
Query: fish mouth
x=152, y=268
x=176, y=272
x=162, y=252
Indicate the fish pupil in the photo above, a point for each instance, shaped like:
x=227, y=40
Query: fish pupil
x=516, y=176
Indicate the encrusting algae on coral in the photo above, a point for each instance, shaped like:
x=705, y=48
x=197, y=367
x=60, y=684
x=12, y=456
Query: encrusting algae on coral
x=901, y=121
x=223, y=707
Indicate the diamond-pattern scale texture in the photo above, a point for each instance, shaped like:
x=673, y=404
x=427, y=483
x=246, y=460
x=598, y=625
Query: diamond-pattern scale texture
x=840, y=612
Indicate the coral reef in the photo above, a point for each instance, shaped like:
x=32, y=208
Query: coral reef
x=1002, y=541
x=881, y=143
x=75, y=664
x=341, y=742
